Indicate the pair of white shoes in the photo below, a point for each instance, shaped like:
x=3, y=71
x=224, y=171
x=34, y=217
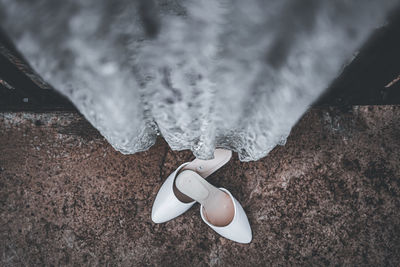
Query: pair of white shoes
x=188, y=182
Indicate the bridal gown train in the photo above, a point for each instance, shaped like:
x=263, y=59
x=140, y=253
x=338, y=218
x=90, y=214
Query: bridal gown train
x=202, y=73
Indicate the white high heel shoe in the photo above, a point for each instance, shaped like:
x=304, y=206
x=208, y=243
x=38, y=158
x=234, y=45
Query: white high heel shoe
x=167, y=206
x=237, y=227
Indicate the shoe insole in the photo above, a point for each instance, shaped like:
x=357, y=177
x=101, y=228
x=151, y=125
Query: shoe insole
x=218, y=206
x=207, y=167
x=204, y=168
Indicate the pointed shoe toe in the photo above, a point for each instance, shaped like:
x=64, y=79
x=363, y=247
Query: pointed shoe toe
x=238, y=229
x=166, y=205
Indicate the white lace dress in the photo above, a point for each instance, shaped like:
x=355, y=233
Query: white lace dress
x=202, y=73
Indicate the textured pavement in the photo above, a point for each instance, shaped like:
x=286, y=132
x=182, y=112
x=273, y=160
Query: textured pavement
x=330, y=196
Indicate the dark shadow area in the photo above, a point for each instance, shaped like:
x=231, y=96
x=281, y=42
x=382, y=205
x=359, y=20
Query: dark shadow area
x=21, y=89
x=370, y=79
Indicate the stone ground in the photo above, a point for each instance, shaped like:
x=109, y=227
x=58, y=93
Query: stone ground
x=330, y=196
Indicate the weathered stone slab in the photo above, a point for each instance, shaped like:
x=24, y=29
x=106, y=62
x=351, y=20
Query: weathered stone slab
x=330, y=196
